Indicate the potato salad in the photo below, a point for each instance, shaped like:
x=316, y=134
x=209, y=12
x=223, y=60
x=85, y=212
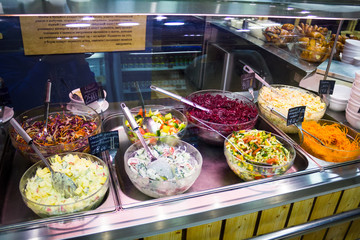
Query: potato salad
x=89, y=177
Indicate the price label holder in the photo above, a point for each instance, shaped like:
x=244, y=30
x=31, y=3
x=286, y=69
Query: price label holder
x=90, y=93
x=4, y=96
x=359, y=110
x=326, y=86
x=295, y=115
x=247, y=80
x=104, y=141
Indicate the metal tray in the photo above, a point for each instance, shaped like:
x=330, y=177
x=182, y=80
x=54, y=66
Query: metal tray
x=216, y=176
x=13, y=211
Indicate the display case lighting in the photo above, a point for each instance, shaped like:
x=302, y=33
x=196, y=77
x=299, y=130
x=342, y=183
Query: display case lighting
x=174, y=23
x=78, y=25
x=128, y=24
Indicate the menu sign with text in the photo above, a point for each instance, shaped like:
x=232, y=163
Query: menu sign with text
x=80, y=34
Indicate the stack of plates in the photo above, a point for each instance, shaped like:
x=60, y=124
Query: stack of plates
x=351, y=52
x=352, y=113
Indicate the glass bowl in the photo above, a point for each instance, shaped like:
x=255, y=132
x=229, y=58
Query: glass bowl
x=289, y=97
x=186, y=167
x=329, y=153
x=278, y=36
x=248, y=169
x=42, y=199
x=76, y=118
x=312, y=49
x=237, y=113
x=168, y=121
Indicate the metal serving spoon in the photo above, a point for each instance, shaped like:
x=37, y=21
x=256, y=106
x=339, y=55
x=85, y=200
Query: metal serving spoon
x=46, y=104
x=147, y=121
x=298, y=125
x=212, y=129
x=179, y=98
x=160, y=165
x=60, y=181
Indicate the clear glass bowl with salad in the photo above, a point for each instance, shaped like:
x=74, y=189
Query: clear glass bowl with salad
x=230, y=111
x=69, y=127
x=184, y=159
x=168, y=122
x=265, y=154
x=89, y=173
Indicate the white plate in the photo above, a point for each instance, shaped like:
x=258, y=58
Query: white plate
x=8, y=114
x=353, y=43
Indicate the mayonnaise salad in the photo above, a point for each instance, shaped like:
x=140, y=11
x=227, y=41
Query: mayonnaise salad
x=89, y=177
x=184, y=166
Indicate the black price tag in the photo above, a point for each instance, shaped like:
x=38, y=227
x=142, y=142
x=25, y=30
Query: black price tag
x=104, y=141
x=247, y=80
x=90, y=93
x=326, y=86
x=359, y=110
x=4, y=96
x=295, y=115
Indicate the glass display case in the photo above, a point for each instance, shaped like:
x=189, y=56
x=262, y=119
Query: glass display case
x=184, y=47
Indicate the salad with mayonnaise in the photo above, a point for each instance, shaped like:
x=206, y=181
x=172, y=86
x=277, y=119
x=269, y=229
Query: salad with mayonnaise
x=91, y=178
x=184, y=166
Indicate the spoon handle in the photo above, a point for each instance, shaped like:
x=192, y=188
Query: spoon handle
x=29, y=141
x=47, y=102
x=179, y=98
x=135, y=128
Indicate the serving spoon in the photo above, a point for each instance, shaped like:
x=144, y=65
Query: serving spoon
x=160, y=165
x=179, y=98
x=60, y=181
x=147, y=121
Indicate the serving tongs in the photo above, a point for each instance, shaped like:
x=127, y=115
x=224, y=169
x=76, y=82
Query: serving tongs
x=60, y=181
x=160, y=165
x=148, y=122
x=298, y=125
x=46, y=104
x=179, y=98
x=240, y=152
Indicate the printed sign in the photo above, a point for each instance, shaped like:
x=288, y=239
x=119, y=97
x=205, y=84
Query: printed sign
x=104, y=141
x=247, y=80
x=52, y=34
x=90, y=93
x=295, y=115
x=326, y=86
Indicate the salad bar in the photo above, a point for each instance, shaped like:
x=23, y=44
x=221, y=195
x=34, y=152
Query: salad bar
x=246, y=160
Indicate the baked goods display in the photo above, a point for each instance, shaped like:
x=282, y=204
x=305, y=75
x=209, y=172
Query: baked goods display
x=312, y=44
x=280, y=35
x=340, y=43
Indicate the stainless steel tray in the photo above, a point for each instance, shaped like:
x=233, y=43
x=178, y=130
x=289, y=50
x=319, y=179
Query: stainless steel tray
x=13, y=211
x=216, y=176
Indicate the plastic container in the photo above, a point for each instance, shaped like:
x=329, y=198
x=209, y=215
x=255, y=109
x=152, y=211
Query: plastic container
x=161, y=187
x=247, y=116
x=248, y=170
x=163, y=132
x=66, y=113
x=84, y=203
x=283, y=102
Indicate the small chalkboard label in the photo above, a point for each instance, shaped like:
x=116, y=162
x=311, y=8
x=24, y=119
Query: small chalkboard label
x=104, y=141
x=4, y=96
x=90, y=93
x=247, y=80
x=359, y=110
x=295, y=115
x=326, y=86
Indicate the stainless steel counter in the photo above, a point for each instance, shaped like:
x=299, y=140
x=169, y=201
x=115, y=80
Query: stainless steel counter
x=212, y=198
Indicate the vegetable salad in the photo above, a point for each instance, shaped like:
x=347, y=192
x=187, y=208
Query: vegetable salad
x=184, y=166
x=89, y=177
x=259, y=149
x=166, y=125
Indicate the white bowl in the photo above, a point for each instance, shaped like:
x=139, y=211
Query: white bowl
x=353, y=106
x=341, y=93
x=352, y=118
x=95, y=105
x=336, y=105
x=352, y=43
x=355, y=94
